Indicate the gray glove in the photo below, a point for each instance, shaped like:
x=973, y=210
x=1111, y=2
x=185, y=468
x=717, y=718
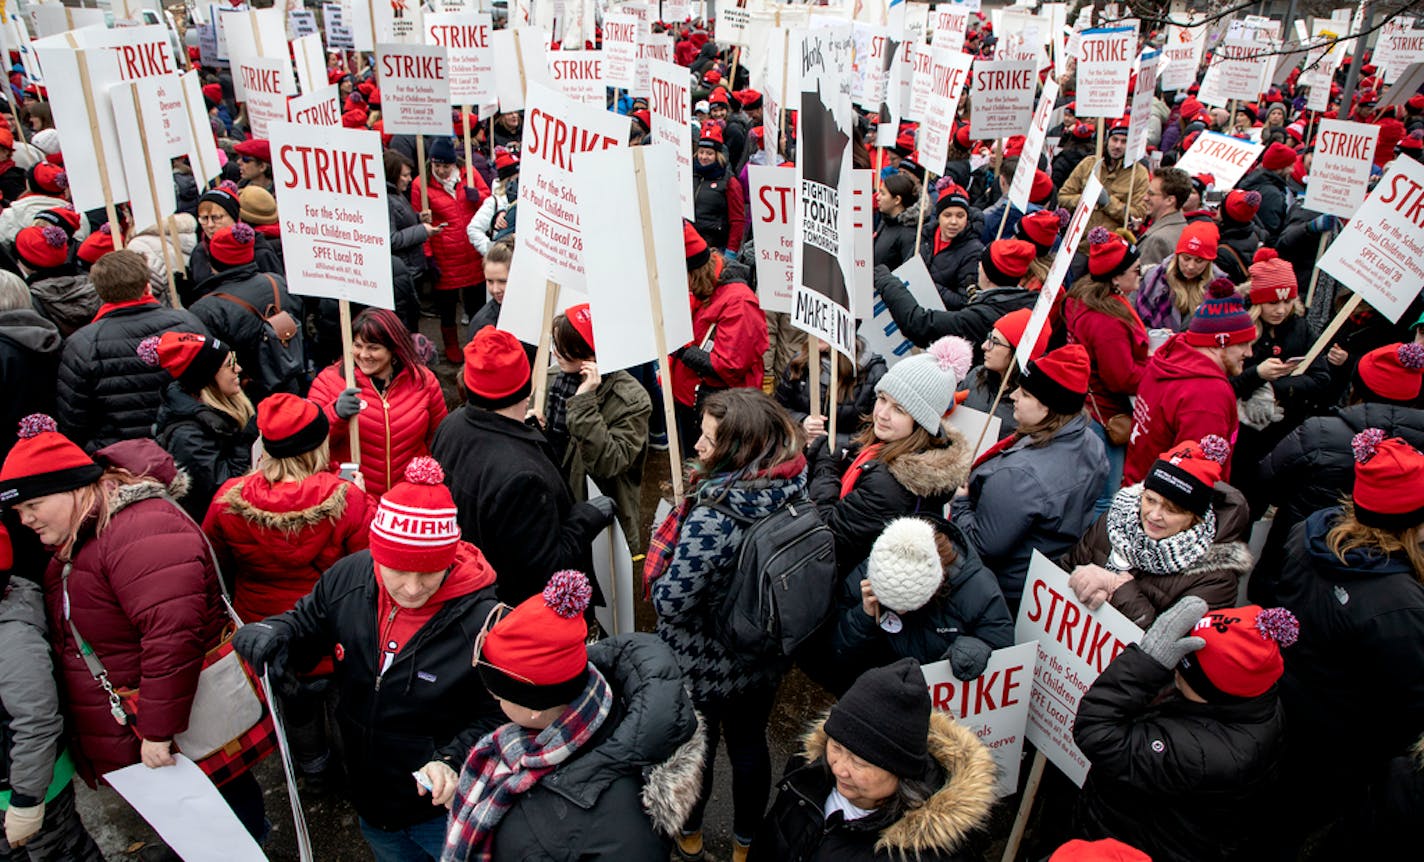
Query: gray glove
x=967, y=657
x=1103, y=198
x=348, y=403
x=1167, y=640
x=605, y=507
x=1260, y=409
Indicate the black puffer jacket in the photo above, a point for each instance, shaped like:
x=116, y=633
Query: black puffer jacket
x=106, y=393
x=794, y=393
x=895, y=240
x=627, y=792
x=205, y=443
x=1275, y=200
x=954, y=268
x=266, y=257
x=1237, y=246
x=29, y=355
x=240, y=328
x=408, y=235
x=970, y=321
x=1181, y=781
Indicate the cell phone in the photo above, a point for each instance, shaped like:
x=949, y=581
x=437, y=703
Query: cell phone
x=423, y=781
x=348, y=470
x=1295, y=359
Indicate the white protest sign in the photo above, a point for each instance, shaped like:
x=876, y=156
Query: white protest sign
x=1183, y=50
x=1340, y=171
x=994, y=704
x=1062, y=259
x=1075, y=645
x=1022, y=183
x=617, y=260
x=518, y=62
x=79, y=80
x=921, y=81
x=656, y=46
x=948, y=74
x=336, y=236
x=397, y=21
x=732, y=23
x=465, y=36
x=1142, y=105
x=970, y=422
x=51, y=18
x=1224, y=157
x=676, y=11
x=950, y=23
x=310, y=62
x=1241, y=65
x=882, y=335
x=265, y=81
x=415, y=89
x=1104, y=67
x=203, y=147
x=862, y=209
x=1002, y=98
x=338, y=31
x=142, y=126
x=1400, y=44
x=1380, y=253
x=320, y=108
x=670, y=111
x=549, y=243
x=579, y=75
x=301, y=22
x=185, y=808
x=613, y=569
x=870, y=72
x=620, y=49
x=256, y=33
x=773, y=197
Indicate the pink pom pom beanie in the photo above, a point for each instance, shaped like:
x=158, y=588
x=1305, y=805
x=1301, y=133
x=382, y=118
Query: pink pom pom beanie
x=924, y=384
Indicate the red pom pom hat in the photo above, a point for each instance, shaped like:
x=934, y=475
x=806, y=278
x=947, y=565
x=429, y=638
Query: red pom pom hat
x=537, y=655
x=415, y=528
x=1242, y=656
x=42, y=462
x=1389, y=482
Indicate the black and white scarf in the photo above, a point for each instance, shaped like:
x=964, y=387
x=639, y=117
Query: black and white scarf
x=1155, y=556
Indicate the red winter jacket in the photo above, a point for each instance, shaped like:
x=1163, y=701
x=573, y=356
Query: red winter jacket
x=460, y=265
x=144, y=594
x=274, y=541
x=1119, y=354
x=737, y=345
x=1184, y=395
x=395, y=427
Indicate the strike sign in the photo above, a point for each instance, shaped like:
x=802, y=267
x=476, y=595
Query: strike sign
x=1380, y=253
x=1226, y=158
x=773, y=196
x=1104, y=66
x=994, y=705
x=1002, y=98
x=415, y=89
x=1340, y=171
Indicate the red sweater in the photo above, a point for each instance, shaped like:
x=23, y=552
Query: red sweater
x=1118, y=351
x=1184, y=395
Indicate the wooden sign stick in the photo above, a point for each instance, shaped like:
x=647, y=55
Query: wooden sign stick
x=98, y=139
x=640, y=176
x=1323, y=341
x=469, y=152
x=832, y=397
x=1003, y=385
x=541, y=356
x=424, y=178
x=1035, y=778
x=348, y=364
x=153, y=198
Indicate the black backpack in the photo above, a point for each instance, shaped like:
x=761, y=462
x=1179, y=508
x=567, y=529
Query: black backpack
x=783, y=588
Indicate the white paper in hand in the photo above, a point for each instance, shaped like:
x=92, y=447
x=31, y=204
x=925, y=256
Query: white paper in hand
x=187, y=811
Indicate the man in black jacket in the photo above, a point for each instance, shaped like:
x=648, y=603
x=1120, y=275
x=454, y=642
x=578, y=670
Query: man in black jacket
x=513, y=503
x=106, y=393
x=972, y=322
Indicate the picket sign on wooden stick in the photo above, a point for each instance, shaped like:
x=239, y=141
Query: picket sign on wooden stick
x=88, y=87
x=640, y=178
x=1323, y=341
x=348, y=365
x=1099, y=153
x=177, y=248
x=469, y=154
x=989, y=419
x=19, y=126
x=831, y=407
x=925, y=200
x=1131, y=181
x=1035, y=778
x=153, y=197
x=541, y=356
x=813, y=372
x=1315, y=270
x=424, y=180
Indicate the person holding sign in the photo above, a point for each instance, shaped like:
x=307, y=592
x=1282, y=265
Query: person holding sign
x=983, y=383
x=1188, y=777
x=881, y=776
x=452, y=205
x=1124, y=193
x=854, y=400
x=220, y=208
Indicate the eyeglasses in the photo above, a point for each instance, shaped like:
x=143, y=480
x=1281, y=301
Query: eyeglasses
x=995, y=341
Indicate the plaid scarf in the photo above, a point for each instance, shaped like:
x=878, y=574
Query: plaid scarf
x=556, y=411
x=510, y=761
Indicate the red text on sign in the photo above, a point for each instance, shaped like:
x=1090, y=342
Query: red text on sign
x=335, y=171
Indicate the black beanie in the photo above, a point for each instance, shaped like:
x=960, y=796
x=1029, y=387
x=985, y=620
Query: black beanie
x=885, y=719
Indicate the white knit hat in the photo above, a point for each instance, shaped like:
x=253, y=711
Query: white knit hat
x=904, y=566
x=924, y=384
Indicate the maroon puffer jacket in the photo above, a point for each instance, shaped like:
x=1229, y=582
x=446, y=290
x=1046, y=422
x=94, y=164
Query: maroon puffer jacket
x=144, y=594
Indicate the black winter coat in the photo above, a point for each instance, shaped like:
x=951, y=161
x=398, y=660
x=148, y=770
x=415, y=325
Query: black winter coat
x=205, y=443
x=649, y=747
x=1276, y=200
x=428, y=705
x=971, y=321
x=408, y=235
x=29, y=356
x=1181, y=781
x=1237, y=246
x=1299, y=244
x=895, y=240
x=955, y=268
x=266, y=257
x=1065, y=160
x=794, y=393
x=243, y=330
x=106, y=393
x=514, y=505
x=1299, y=396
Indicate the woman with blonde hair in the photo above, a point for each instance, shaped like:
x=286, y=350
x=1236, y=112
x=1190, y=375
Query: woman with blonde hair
x=205, y=422
x=1172, y=290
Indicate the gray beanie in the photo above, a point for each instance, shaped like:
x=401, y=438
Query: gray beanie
x=924, y=384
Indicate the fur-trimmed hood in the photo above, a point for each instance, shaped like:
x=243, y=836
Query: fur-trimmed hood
x=1231, y=557
x=938, y=471
x=144, y=458
x=245, y=500
x=909, y=216
x=960, y=806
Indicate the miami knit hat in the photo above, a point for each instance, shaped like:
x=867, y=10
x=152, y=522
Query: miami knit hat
x=1221, y=319
x=1241, y=206
x=1242, y=656
x=257, y=206
x=496, y=370
x=1012, y=325
x=1006, y=261
x=694, y=247
x=537, y=655
x=415, y=528
x=1199, y=239
x=1272, y=279
x=233, y=245
x=924, y=384
x=192, y=359
x=1104, y=850
x=290, y=425
x=1109, y=255
x=904, y=566
x=44, y=461
x=1059, y=378
x=1392, y=374
x=1389, y=481
x=1187, y=474
x=884, y=719
x=42, y=246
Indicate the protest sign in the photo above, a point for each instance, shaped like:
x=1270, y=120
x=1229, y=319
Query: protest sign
x=882, y=335
x=773, y=198
x=823, y=250
x=950, y=23
x=655, y=46
x=579, y=75
x=335, y=225
x=1002, y=98
x=620, y=49
x=1142, y=105
x=1400, y=44
x=1380, y=253
x=1411, y=82
x=415, y=89
x=1340, y=170
x=84, y=119
x=921, y=81
x=202, y=147
x=320, y=108
x=518, y=62
x=465, y=36
x=1022, y=183
x=874, y=50
x=338, y=31
x=1183, y=50
x=310, y=63
x=948, y=74
x=142, y=124
x=549, y=243
x=396, y=21
x=265, y=81
x=1241, y=65
x=862, y=209
x=256, y=33
x=1075, y=645
x=994, y=705
x=670, y=111
x=186, y=810
x=52, y=18
x=1048, y=294
x=975, y=425
x=1104, y=66
x=301, y=22
x=613, y=570
x=1226, y=158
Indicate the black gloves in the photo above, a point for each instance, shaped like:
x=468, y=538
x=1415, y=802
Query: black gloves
x=699, y=360
x=968, y=656
x=264, y=645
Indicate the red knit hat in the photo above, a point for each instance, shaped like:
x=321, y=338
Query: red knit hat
x=1199, y=239
x=1191, y=106
x=255, y=148
x=582, y=321
x=506, y=164
x=96, y=245
x=1014, y=146
x=1187, y=474
x=951, y=194
x=718, y=96
x=212, y=92
x=1040, y=228
x=1109, y=255
x=1042, y=187
x=1105, y=850
x=1272, y=279
x=1277, y=157
x=192, y=359
x=1389, y=481
x=44, y=461
x=694, y=247
x=233, y=245
x=537, y=655
x=1012, y=326
x=42, y=246
x=1242, y=656
x=1242, y=206
x=1221, y=319
x=290, y=425
x=1006, y=261
x=961, y=136
x=496, y=370
x=711, y=136
x=1392, y=374
x=354, y=119
x=49, y=178
x=1416, y=102
x=1081, y=131
x=415, y=528
x=1059, y=378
